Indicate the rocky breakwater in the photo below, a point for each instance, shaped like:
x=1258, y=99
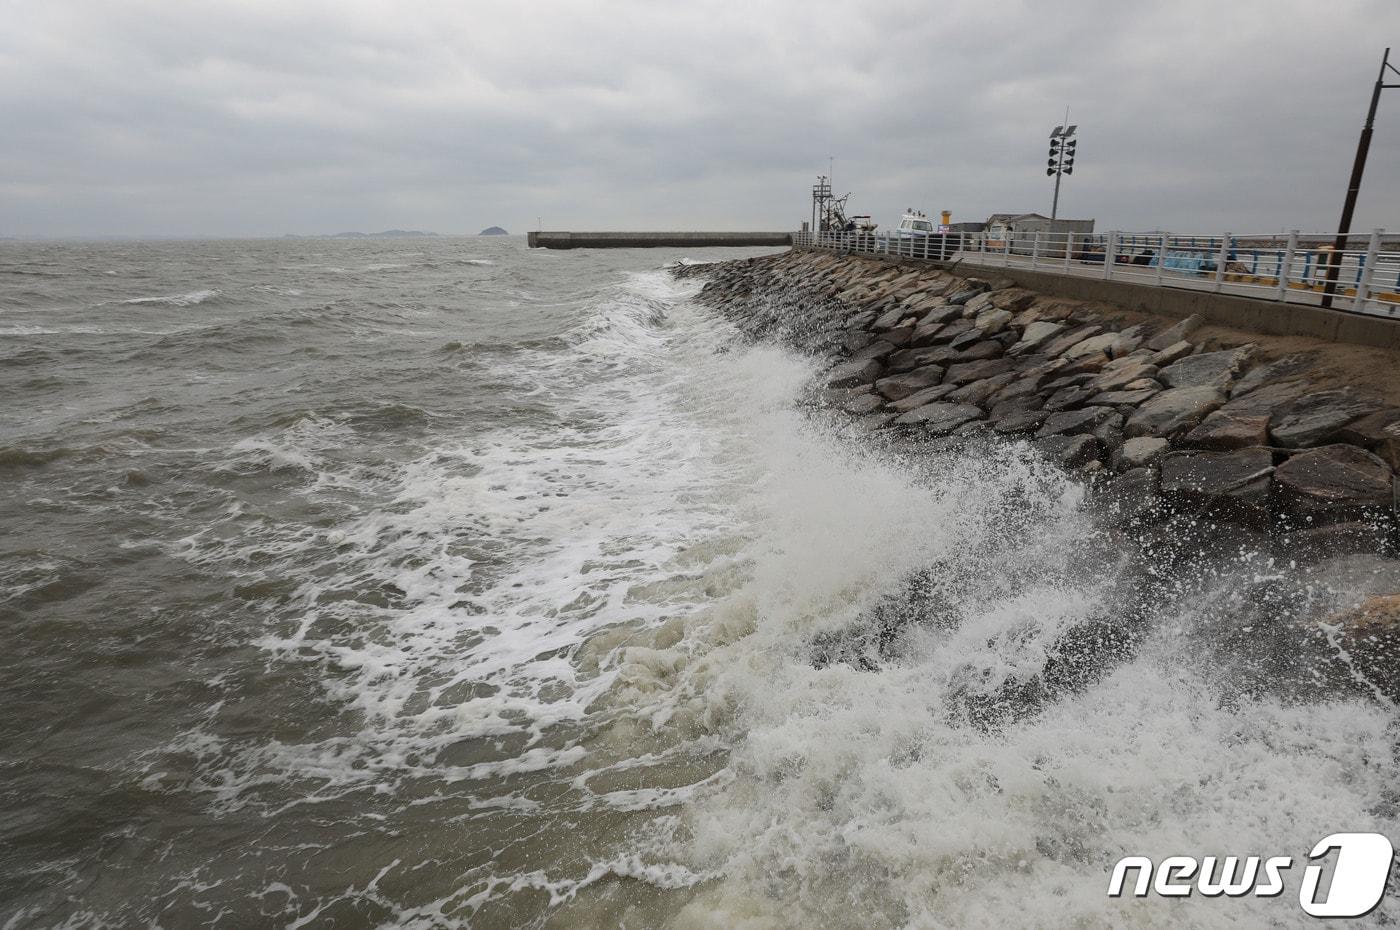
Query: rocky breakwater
x=1189, y=447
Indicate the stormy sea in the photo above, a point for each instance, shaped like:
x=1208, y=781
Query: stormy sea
x=444, y=583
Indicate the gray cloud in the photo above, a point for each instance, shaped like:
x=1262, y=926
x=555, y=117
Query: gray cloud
x=248, y=118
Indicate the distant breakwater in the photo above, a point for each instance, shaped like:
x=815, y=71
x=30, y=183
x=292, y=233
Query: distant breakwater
x=1185, y=449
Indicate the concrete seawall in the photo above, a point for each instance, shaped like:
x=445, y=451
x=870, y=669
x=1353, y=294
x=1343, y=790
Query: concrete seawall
x=646, y=240
x=1266, y=317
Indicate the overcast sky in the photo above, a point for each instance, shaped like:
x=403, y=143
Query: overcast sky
x=300, y=116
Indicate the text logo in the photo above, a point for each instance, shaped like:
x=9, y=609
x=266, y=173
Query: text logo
x=1356, y=880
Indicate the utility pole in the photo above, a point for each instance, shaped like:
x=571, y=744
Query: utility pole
x=1334, y=263
x=1061, y=162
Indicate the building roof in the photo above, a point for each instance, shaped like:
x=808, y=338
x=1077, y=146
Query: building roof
x=1013, y=217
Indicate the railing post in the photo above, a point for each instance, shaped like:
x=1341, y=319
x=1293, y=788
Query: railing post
x=1281, y=291
x=1220, y=262
x=1069, y=249
x=1035, y=248
x=1368, y=270
x=1163, y=246
x=1110, y=253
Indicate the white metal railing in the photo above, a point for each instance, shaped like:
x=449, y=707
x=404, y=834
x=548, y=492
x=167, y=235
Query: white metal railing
x=1290, y=268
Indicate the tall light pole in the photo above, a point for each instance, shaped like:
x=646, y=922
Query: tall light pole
x=1062, y=146
x=1334, y=264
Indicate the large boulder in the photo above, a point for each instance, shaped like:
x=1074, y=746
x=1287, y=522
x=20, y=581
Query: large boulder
x=897, y=387
x=1094, y=345
x=854, y=372
x=940, y=417
x=1226, y=429
x=993, y=321
x=1034, y=336
x=1173, y=412
x=1288, y=368
x=1069, y=451
x=1124, y=371
x=1229, y=484
x=976, y=371
x=1213, y=369
x=1315, y=418
x=1175, y=333
x=1022, y=421
x=909, y=359
x=877, y=349
x=1368, y=637
x=1335, y=483
x=926, y=396
x=1060, y=343
x=1071, y=422
x=1139, y=452
x=1172, y=353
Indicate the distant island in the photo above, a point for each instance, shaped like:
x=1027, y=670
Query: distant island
x=386, y=234
x=493, y=231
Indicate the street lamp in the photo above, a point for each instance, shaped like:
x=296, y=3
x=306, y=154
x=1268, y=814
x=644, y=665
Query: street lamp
x=1062, y=146
x=1334, y=264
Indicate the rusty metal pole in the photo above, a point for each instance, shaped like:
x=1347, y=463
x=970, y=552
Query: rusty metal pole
x=1334, y=261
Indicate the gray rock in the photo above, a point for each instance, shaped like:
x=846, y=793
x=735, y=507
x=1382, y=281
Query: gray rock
x=1069, y=451
x=1226, y=429
x=924, y=334
x=864, y=403
x=1130, y=496
x=888, y=320
x=1267, y=400
x=1122, y=372
x=1287, y=368
x=945, y=313
x=1230, y=484
x=1124, y=398
x=993, y=321
x=966, y=338
x=900, y=336
x=1058, y=345
x=1315, y=418
x=1026, y=421
x=1034, y=336
x=1353, y=537
x=940, y=417
x=1171, y=353
x=1175, y=334
x=1094, y=345
x=1000, y=410
x=978, y=305
x=1335, y=483
x=987, y=348
x=978, y=392
x=926, y=396
x=877, y=350
x=1068, y=398
x=897, y=387
x=909, y=359
x=1013, y=299
x=975, y=371
x=1070, y=422
x=854, y=372
x=1213, y=369
x=1173, y=412
x=1139, y=452
x=856, y=340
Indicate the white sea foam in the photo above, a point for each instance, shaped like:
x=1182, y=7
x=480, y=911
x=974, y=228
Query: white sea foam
x=176, y=300
x=626, y=593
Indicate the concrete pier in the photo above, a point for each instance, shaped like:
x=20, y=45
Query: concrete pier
x=644, y=240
